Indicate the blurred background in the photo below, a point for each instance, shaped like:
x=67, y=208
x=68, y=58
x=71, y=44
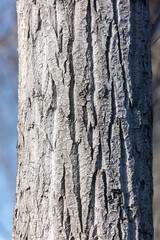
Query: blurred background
x=9, y=113
x=155, y=12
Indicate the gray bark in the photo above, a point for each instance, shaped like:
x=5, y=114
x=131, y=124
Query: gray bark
x=85, y=121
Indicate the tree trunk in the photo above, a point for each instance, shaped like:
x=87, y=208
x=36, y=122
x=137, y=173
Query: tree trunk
x=85, y=121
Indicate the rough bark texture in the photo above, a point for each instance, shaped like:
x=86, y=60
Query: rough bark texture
x=85, y=121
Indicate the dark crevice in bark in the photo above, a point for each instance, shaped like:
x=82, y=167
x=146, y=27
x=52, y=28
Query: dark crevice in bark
x=80, y=236
x=29, y=102
x=53, y=103
x=55, y=19
x=90, y=139
x=94, y=234
x=54, y=94
x=74, y=151
x=71, y=96
x=51, y=147
x=119, y=230
x=61, y=208
x=113, y=238
x=76, y=180
x=39, y=20
x=120, y=220
x=98, y=164
x=29, y=29
x=124, y=185
x=113, y=114
x=107, y=52
x=91, y=207
x=34, y=1
x=85, y=116
x=95, y=5
x=72, y=77
x=105, y=190
x=57, y=59
x=15, y=213
x=63, y=185
x=115, y=11
x=65, y=68
x=90, y=58
x=60, y=40
x=68, y=225
x=145, y=2
x=63, y=192
x=109, y=139
x=89, y=41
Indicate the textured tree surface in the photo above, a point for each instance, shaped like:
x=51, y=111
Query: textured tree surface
x=85, y=121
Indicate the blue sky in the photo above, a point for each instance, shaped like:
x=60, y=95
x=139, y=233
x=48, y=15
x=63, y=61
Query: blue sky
x=8, y=114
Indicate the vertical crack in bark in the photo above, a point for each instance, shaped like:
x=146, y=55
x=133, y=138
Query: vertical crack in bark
x=61, y=209
x=68, y=225
x=53, y=103
x=99, y=156
x=119, y=229
x=94, y=234
x=126, y=180
x=76, y=180
x=115, y=15
x=74, y=151
x=28, y=35
x=63, y=185
x=89, y=41
x=63, y=193
x=107, y=52
x=95, y=5
x=109, y=139
x=55, y=19
x=72, y=77
x=105, y=190
x=90, y=58
x=120, y=220
x=49, y=141
x=85, y=115
x=91, y=207
x=90, y=139
x=113, y=114
x=39, y=20
x=54, y=94
x=57, y=59
x=113, y=238
x=60, y=40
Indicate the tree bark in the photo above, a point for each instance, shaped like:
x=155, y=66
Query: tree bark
x=85, y=121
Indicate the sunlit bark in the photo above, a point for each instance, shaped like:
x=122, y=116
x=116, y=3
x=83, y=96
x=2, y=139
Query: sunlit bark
x=85, y=121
